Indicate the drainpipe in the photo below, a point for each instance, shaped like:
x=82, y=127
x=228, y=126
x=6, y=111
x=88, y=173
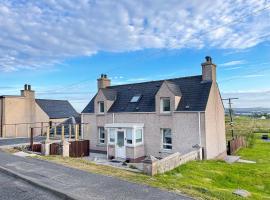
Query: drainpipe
x=200, y=134
x=113, y=118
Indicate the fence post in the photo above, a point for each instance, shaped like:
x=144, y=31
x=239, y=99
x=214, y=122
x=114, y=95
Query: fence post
x=28, y=130
x=69, y=130
x=63, y=132
x=16, y=131
x=41, y=130
x=55, y=129
x=76, y=132
x=31, y=139
x=48, y=134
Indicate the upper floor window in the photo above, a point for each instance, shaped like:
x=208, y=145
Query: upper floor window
x=165, y=105
x=101, y=107
x=101, y=135
x=166, y=138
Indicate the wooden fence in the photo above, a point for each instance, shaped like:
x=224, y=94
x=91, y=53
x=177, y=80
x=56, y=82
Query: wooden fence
x=235, y=144
x=79, y=148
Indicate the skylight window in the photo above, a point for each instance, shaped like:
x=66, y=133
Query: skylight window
x=135, y=98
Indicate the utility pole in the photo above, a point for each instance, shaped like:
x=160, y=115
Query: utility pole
x=230, y=113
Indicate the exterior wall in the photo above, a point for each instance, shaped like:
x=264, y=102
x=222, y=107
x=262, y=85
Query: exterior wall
x=41, y=117
x=1, y=116
x=17, y=112
x=185, y=130
x=215, y=125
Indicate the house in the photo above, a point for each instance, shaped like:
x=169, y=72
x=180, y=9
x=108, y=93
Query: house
x=158, y=117
x=18, y=113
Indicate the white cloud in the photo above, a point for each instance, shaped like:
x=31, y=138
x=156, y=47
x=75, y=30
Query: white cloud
x=249, y=98
x=42, y=33
x=232, y=63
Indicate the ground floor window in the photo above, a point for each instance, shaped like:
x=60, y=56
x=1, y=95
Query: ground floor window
x=166, y=138
x=138, y=135
x=101, y=134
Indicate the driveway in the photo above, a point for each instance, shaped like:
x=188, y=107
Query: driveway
x=16, y=141
x=79, y=184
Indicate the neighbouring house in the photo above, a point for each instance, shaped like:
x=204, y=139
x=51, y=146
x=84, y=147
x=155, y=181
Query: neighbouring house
x=20, y=113
x=158, y=117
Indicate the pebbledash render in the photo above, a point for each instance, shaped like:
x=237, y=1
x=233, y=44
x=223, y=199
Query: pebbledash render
x=157, y=118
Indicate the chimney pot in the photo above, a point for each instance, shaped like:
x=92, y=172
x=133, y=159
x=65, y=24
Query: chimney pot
x=208, y=59
x=29, y=87
x=25, y=86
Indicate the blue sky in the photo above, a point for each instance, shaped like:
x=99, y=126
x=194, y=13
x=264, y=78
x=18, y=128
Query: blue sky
x=61, y=47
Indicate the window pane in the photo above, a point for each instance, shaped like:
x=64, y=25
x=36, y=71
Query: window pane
x=167, y=146
x=112, y=135
x=166, y=105
x=167, y=138
x=138, y=135
x=129, y=136
x=101, y=107
x=101, y=135
x=135, y=98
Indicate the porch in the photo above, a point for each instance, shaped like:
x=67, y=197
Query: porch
x=125, y=141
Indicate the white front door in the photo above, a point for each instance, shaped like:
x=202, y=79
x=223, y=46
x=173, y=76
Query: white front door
x=120, y=149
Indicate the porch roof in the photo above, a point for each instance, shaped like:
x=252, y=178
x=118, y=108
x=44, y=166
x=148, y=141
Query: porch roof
x=124, y=125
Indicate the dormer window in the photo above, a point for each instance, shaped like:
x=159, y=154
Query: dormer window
x=101, y=107
x=135, y=98
x=165, y=105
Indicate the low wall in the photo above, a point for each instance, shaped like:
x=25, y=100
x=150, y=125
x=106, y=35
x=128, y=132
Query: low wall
x=154, y=166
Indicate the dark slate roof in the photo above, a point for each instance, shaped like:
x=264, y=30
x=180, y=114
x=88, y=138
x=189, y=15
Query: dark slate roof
x=110, y=94
x=194, y=95
x=57, y=109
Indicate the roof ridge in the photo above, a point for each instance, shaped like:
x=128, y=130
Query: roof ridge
x=52, y=100
x=161, y=80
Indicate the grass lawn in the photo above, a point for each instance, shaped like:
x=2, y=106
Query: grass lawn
x=201, y=179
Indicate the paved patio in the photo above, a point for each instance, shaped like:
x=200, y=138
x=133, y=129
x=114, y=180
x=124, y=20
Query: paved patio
x=101, y=159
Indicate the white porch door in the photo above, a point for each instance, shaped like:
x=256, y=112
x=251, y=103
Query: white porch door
x=120, y=149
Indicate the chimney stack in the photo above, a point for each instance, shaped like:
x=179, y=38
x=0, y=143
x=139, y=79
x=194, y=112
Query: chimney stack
x=208, y=70
x=28, y=92
x=103, y=81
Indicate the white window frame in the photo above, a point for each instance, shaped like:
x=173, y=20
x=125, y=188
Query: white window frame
x=99, y=107
x=162, y=104
x=135, y=136
x=132, y=137
x=111, y=131
x=163, y=142
x=99, y=134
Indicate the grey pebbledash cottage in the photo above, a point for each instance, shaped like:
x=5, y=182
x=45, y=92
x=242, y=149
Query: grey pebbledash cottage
x=158, y=117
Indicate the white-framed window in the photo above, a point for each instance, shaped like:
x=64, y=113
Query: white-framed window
x=112, y=135
x=139, y=135
x=166, y=138
x=129, y=136
x=101, y=135
x=165, y=105
x=101, y=107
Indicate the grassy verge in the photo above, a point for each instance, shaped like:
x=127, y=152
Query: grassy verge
x=201, y=179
